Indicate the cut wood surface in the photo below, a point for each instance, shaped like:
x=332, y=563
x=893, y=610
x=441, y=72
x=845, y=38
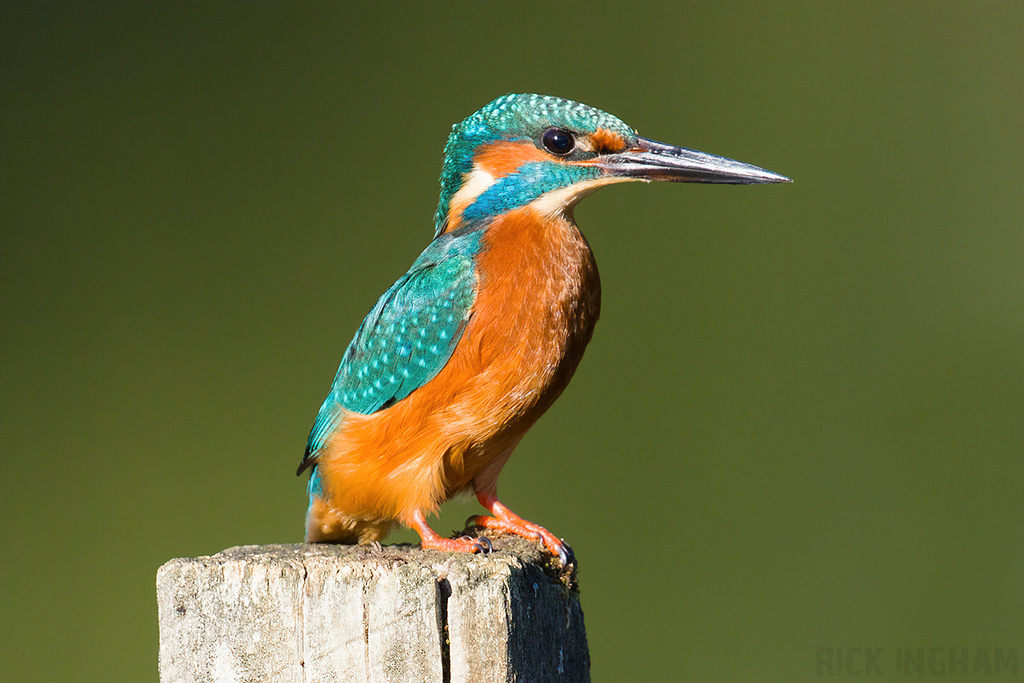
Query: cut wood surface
x=370, y=614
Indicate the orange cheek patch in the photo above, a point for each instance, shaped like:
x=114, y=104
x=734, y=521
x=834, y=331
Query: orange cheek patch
x=503, y=157
x=606, y=141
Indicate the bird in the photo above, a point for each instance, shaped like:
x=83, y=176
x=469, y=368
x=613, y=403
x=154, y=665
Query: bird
x=462, y=355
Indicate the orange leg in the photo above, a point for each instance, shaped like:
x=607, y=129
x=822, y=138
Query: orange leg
x=432, y=540
x=508, y=521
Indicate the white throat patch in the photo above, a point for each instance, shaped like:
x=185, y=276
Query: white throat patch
x=559, y=202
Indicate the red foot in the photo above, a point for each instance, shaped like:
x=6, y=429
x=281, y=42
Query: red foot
x=509, y=522
x=432, y=540
x=455, y=545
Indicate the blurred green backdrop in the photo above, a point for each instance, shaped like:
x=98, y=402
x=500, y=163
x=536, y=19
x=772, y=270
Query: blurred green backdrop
x=800, y=423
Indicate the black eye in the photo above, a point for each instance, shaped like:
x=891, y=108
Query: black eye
x=558, y=141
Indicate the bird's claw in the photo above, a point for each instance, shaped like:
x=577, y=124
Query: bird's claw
x=481, y=543
x=520, y=527
x=565, y=553
x=485, y=542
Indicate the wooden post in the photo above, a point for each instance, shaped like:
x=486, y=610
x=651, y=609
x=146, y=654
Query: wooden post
x=372, y=614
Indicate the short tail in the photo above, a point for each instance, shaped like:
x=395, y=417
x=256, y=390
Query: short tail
x=324, y=524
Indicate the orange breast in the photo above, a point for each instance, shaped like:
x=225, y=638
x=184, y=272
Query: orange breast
x=537, y=302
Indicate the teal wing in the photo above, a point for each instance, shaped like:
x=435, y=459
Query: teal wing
x=405, y=340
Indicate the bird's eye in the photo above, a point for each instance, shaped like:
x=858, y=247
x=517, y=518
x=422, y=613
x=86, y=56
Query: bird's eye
x=558, y=141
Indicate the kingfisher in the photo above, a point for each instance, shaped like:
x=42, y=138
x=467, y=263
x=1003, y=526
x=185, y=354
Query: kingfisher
x=462, y=355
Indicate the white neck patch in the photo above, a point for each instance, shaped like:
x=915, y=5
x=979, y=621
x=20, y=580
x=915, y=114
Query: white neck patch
x=476, y=182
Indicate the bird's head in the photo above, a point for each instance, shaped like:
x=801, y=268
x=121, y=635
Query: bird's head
x=549, y=152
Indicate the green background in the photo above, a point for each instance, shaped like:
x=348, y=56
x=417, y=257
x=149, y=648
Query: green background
x=800, y=423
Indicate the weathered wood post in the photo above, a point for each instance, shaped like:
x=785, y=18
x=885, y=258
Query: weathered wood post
x=392, y=614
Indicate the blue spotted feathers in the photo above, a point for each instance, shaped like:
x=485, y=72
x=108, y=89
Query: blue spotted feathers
x=406, y=339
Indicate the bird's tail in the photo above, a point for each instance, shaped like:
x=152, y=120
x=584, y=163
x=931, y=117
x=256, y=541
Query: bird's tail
x=324, y=524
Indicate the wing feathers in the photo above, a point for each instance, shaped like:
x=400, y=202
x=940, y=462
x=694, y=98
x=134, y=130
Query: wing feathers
x=405, y=340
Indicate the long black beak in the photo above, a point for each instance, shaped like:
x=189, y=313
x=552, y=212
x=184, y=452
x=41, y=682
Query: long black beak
x=651, y=160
